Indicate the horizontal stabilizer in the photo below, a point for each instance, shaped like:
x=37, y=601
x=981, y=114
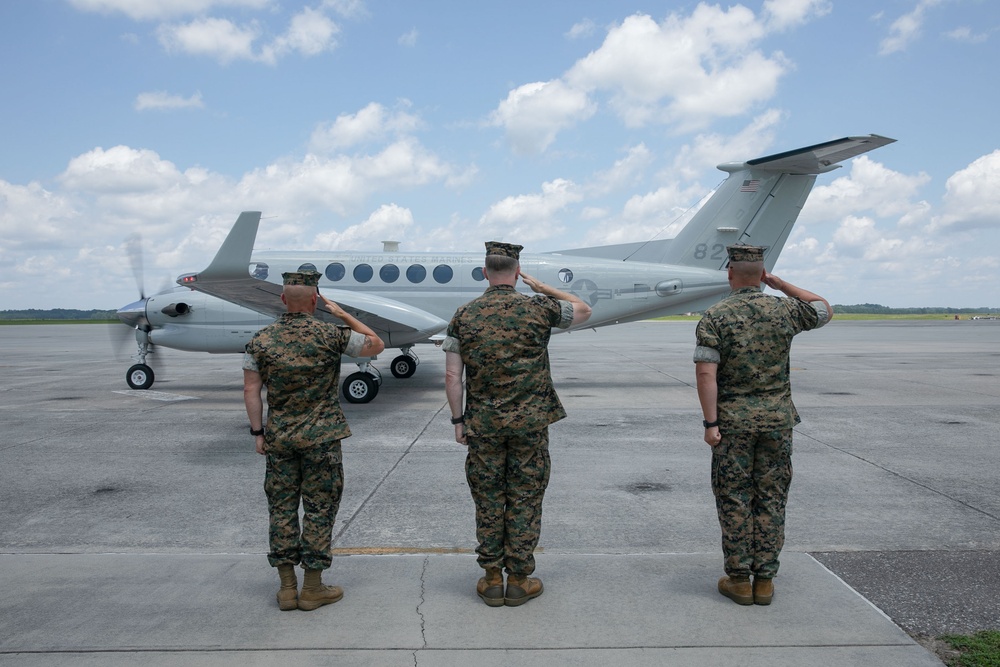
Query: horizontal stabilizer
x=820, y=158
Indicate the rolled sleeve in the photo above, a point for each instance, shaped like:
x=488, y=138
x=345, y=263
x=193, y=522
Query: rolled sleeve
x=451, y=344
x=355, y=344
x=704, y=354
x=249, y=363
x=821, y=312
x=565, y=314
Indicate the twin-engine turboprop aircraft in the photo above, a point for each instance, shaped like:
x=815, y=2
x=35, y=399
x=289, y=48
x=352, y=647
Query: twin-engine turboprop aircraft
x=409, y=298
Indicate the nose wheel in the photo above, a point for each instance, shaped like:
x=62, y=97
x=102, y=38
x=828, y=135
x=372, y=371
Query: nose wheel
x=139, y=376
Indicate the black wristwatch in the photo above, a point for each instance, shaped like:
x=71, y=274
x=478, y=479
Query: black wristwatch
x=458, y=420
x=709, y=424
x=259, y=431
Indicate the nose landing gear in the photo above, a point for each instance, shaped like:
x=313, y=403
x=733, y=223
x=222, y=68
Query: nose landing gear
x=140, y=376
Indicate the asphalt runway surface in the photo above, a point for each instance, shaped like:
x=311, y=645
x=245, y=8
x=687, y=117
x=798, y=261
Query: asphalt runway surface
x=133, y=524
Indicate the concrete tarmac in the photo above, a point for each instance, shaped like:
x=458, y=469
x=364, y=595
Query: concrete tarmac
x=133, y=525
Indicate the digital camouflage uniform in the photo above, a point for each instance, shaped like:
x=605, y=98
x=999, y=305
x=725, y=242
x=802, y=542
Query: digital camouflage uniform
x=298, y=358
x=749, y=335
x=503, y=337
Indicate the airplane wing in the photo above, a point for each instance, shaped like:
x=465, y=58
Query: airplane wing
x=228, y=278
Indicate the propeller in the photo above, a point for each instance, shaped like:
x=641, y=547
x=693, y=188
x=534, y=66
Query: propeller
x=134, y=314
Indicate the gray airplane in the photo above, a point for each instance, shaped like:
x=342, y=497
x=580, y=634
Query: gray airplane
x=408, y=298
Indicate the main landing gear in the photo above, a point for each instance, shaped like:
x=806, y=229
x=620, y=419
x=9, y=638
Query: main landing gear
x=405, y=365
x=363, y=386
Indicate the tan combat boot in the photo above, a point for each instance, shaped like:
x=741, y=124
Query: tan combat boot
x=520, y=589
x=490, y=587
x=736, y=589
x=288, y=594
x=763, y=591
x=315, y=593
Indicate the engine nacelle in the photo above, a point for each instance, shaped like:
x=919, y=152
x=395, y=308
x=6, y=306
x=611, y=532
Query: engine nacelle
x=175, y=309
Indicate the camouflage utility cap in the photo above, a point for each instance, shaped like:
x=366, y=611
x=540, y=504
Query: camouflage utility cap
x=307, y=278
x=504, y=249
x=745, y=253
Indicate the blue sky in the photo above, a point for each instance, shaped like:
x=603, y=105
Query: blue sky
x=442, y=124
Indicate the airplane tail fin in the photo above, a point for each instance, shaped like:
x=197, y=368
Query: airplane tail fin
x=759, y=202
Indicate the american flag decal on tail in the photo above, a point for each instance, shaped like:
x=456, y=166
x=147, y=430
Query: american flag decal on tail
x=750, y=186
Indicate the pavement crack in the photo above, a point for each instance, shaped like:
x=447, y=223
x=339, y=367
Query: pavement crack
x=423, y=622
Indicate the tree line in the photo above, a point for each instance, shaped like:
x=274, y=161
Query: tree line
x=876, y=309
x=58, y=314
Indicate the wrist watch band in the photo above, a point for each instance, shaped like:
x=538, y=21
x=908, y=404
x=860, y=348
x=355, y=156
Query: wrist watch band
x=256, y=432
x=709, y=424
x=458, y=420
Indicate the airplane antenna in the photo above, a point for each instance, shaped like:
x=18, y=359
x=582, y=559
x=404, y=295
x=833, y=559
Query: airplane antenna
x=681, y=215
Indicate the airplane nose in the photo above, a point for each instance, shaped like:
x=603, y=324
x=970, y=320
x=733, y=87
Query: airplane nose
x=134, y=314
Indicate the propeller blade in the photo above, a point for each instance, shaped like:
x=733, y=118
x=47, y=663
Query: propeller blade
x=133, y=244
x=122, y=341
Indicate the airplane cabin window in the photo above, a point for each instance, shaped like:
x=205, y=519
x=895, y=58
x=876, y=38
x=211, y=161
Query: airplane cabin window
x=363, y=273
x=259, y=271
x=416, y=273
x=335, y=271
x=477, y=274
x=308, y=267
x=389, y=273
x=443, y=273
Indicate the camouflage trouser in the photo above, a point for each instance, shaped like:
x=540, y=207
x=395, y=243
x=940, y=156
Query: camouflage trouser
x=507, y=477
x=751, y=473
x=316, y=476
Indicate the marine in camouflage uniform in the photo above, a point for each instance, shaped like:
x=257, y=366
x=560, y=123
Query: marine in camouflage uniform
x=500, y=341
x=742, y=357
x=297, y=358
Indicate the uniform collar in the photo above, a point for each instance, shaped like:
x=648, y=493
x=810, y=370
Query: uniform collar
x=499, y=288
x=745, y=290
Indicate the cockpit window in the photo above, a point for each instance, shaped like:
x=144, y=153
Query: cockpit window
x=259, y=271
x=416, y=273
x=335, y=271
x=443, y=273
x=363, y=273
x=389, y=273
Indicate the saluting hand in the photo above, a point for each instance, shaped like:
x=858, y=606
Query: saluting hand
x=334, y=309
x=536, y=286
x=774, y=282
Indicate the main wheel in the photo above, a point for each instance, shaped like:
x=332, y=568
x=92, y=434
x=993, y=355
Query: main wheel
x=403, y=366
x=359, y=387
x=139, y=376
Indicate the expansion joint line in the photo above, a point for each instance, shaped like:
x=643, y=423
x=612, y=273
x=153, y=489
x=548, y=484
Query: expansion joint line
x=347, y=523
x=901, y=476
x=644, y=364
